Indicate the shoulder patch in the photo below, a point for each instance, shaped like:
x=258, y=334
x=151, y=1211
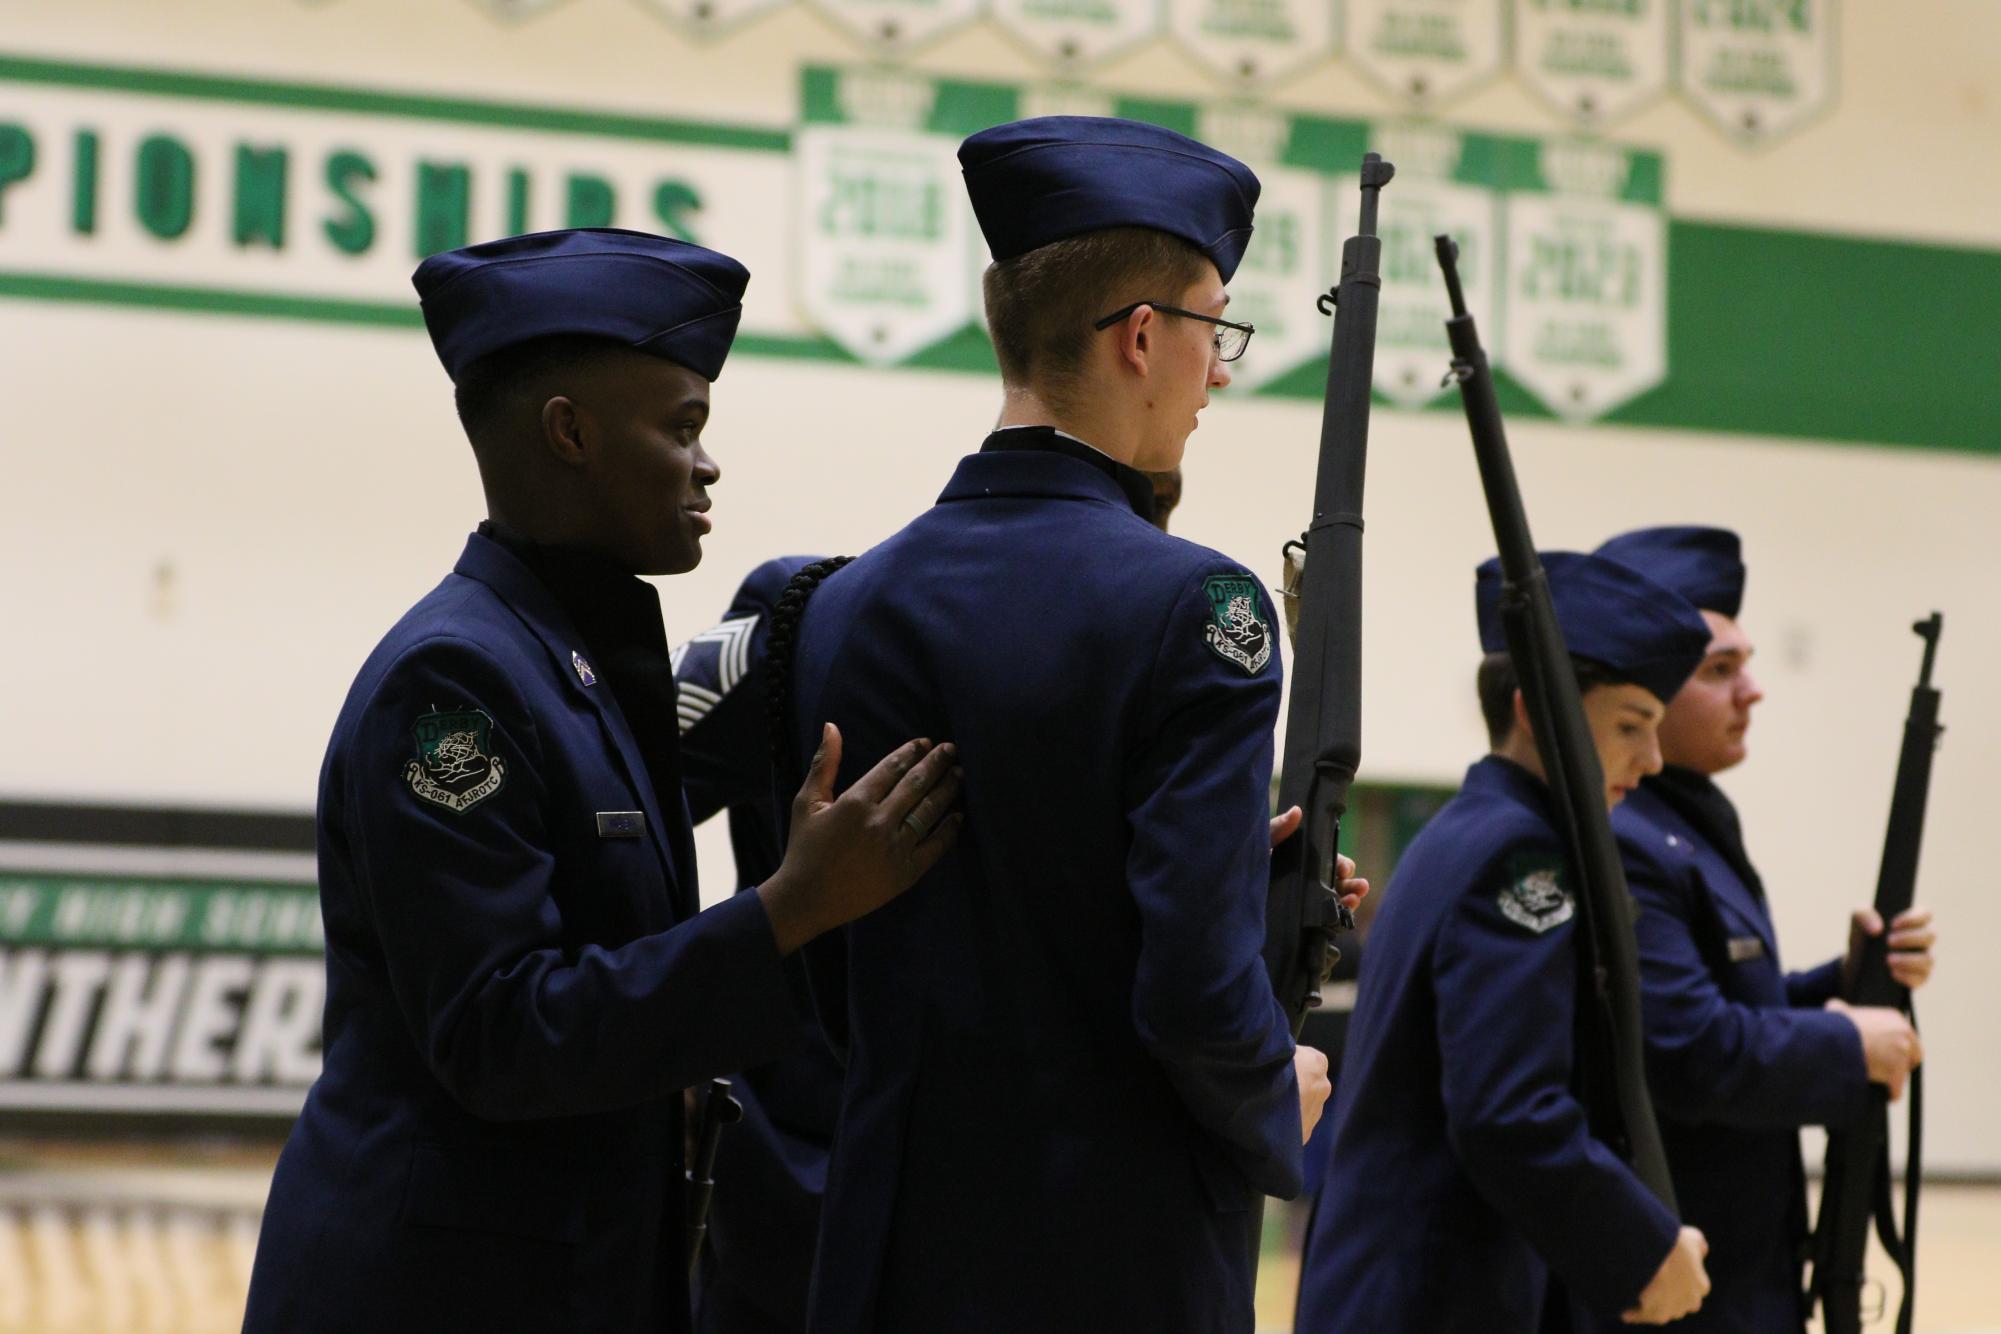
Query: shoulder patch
x=1237, y=629
x=455, y=766
x=1535, y=898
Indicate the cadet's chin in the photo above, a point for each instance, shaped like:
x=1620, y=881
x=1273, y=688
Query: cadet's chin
x=679, y=558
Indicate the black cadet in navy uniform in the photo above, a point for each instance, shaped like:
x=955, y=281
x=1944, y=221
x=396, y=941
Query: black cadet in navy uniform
x=1068, y=1076
x=1464, y=1169
x=518, y=985
x=1741, y=1053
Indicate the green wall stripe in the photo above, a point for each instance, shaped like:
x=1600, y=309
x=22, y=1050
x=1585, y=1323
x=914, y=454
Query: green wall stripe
x=1806, y=336
x=1775, y=333
x=209, y=300
x=326, y=97
x=1827, y=337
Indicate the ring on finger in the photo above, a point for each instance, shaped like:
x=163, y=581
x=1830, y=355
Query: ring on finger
x=910, y=822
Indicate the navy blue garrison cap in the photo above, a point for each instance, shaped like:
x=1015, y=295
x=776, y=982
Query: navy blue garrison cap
x=1704, y=565
x=1054, y=177
x=669, y=298
x=1611, y=614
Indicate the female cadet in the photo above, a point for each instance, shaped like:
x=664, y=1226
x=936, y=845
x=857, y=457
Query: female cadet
x=1464, y=1169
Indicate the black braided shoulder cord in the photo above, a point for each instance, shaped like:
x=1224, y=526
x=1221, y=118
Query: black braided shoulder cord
x=778, y=654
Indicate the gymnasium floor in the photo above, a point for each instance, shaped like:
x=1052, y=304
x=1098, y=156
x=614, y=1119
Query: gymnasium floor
x=150, y=1239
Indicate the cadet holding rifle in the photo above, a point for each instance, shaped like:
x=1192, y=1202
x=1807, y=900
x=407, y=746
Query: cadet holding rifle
x=1466, y=1170
x=1740, y=1053
x=1492, y=1076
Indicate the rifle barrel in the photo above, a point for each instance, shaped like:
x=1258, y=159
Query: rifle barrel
x=1570, y=759
x=1323, y=744
x=1856, y=1180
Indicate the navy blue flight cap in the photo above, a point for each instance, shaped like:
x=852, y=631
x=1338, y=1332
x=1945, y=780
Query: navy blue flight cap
x=1704, y=565
x=1611, y=614
x=1053, y=177
x=666, y=297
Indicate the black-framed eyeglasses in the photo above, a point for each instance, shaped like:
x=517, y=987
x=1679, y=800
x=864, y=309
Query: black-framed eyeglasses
x=1231, y=338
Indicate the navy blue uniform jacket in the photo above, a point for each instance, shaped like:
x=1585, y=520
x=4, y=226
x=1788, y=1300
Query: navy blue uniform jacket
x=514, y=999
x=1463, y=1168
x=1739, y=1056
x=772, y=1168
x=1068, y=1075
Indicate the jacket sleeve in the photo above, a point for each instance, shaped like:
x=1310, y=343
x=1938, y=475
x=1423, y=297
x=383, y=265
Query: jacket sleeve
x=1816, y=986
x=1711, y=1059
x=1198, y=804
x=1506, y=997
x=513, y=1019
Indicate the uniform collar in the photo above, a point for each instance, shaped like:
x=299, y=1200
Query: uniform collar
x=1708, y=811
x=615, y=612
x=1499, y=776
x=1133, y=484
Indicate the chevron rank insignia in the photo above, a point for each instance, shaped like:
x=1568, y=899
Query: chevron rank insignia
x=1537, y=899
x=1237, y=629
x=710, y=665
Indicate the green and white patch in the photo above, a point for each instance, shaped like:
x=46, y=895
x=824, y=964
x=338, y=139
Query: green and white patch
x=1535, y=898
x=455, y=766
x=1237, y=628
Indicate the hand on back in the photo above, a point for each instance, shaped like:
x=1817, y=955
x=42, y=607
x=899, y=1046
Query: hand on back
x=849, y=855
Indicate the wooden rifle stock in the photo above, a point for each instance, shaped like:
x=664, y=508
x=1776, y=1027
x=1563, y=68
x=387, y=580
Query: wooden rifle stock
x=1855, y=1186
x=1622, y=1110
x=1323, y=722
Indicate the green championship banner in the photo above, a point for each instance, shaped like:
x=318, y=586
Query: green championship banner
x=155, y=978
x=239, y=197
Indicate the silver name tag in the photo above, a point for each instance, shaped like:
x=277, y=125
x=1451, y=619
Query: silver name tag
x=1742, y=948
x=621, y=824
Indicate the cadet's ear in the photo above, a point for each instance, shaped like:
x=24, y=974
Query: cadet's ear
x=563, y=430
x=1521, y=709
x=1135, y=335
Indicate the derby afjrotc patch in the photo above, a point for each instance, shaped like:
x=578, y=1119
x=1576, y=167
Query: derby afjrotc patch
x=455, y=766
x=1537, y=899
x=1237, y=628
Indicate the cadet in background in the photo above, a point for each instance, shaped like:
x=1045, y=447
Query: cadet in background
x=771, y=1169
x=1068, y=1076
x=518, y=984
x=1740, y=1053
x=1464, y=1173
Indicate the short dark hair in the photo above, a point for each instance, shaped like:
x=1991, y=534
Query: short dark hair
x=509, y=377
x=1497, y=682
x=1041, y=305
